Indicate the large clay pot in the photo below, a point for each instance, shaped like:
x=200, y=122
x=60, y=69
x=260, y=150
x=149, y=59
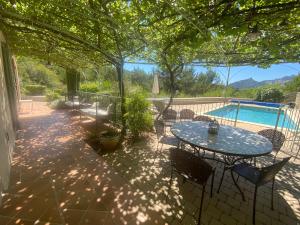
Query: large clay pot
x=109, y=143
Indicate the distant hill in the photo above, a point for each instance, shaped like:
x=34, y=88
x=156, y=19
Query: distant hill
x=251, y=83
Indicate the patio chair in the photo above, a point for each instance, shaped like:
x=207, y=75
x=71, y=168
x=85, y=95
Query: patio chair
x=159, y=105
x=276, y=137
x=259, y=177
x=162, y=138
x=193, y=169
x=169, y=117
x=73, y=103
x=202, y=118
x=96, y=112
x=186, y=114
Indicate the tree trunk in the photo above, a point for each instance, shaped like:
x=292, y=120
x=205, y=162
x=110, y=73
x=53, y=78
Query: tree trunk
x=73, y=82
x=172, y=90
x=120, y=72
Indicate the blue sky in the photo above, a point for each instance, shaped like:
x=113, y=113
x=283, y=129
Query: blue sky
x=240, y=72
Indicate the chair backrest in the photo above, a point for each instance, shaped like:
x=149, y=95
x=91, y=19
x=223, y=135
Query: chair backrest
x=190, y=166
x=203, y=118
x=159, y=127
x=276, y=137
x=170, y=114
x=269, y=172
x=94, y=105
x=186, y=114
x=159, y=105
x=110, y=108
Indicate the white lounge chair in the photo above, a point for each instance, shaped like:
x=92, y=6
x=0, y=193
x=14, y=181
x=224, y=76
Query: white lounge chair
x=96, y=112
x=73, y=103
x=77, y=104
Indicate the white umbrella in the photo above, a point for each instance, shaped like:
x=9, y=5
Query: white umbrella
x=155, y=87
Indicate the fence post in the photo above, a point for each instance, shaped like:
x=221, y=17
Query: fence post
x=237, y=113
x=278, y=117
x=97, y=112
x=276, y=124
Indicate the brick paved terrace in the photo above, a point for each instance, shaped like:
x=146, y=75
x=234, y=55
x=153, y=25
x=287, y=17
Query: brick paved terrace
x=56, y=178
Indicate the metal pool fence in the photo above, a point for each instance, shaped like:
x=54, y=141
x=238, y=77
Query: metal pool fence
x=287, y=119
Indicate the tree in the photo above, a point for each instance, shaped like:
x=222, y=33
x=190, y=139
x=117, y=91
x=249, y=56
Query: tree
x=293, y=85
x=269, y=95
x=169, y=33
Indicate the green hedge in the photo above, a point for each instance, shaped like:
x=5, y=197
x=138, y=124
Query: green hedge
x=35, y=89
x=270, y=95
x=52, y=95
x=91, y=87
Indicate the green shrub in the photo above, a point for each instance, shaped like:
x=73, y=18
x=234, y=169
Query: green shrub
x=35, y=89
x=138, y=116
x=57, y=104
x=52, y=95
x=89, y=87
x=269, y=95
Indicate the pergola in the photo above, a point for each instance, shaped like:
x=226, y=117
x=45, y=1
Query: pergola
x=168, y=33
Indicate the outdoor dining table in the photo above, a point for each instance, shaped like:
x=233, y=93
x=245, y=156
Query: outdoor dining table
x=232, y=143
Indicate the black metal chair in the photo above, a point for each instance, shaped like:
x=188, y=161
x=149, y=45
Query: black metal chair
x=162, y=138
x=193, y=169
x=259, y=177
x=202, y=118
x=186, y=114
x=169, y=117
x=276, y=137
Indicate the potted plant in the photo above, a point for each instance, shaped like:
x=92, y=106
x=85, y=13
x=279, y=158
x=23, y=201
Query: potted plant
x=92, y=139
x=109, y=140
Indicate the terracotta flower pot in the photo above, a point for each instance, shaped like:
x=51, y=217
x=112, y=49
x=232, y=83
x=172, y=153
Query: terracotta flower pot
x=109, y=142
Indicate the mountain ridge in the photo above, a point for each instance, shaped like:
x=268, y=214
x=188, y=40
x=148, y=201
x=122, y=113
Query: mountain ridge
x=251, y=83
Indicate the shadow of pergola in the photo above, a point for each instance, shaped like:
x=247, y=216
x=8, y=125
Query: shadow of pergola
x=57, y=178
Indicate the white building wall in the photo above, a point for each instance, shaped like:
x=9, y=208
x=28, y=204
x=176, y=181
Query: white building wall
x=7, y=133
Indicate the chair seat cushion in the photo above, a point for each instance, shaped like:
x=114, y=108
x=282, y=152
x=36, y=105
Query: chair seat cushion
x=71, y=104
x=247, y=171
x=92, y=112
x=168, y=140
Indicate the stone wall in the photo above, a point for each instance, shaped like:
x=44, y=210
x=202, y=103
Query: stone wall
x=7, y=128
x=297, y=101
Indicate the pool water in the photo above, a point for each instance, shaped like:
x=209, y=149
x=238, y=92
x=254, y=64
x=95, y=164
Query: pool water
x=259, y=115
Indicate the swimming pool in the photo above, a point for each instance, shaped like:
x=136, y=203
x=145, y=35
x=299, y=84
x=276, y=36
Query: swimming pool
x=259, y=115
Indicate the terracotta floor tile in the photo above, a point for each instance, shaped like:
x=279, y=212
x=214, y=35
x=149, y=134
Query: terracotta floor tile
x=19, y=221
x=36, y=208
x=4, y=220
x=72, y=216
x=97, y=218
x=52, y=215
x=13, y=204
x=75, y=199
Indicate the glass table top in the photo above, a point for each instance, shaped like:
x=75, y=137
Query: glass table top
x=229, y=140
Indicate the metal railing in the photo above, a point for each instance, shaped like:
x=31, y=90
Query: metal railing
x=101, y=102
x=227, y=112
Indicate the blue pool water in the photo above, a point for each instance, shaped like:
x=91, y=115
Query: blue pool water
x=265, y=116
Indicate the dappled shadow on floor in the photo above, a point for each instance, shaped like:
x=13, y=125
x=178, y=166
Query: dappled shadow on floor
x=57, y=178
x=150, y=175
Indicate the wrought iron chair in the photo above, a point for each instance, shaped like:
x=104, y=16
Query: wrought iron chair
x=169, y=117
x=258, y=177
x=162, y=138
x=193, y=169
x=202, y=118
x=186, y=114
x=276, y=137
